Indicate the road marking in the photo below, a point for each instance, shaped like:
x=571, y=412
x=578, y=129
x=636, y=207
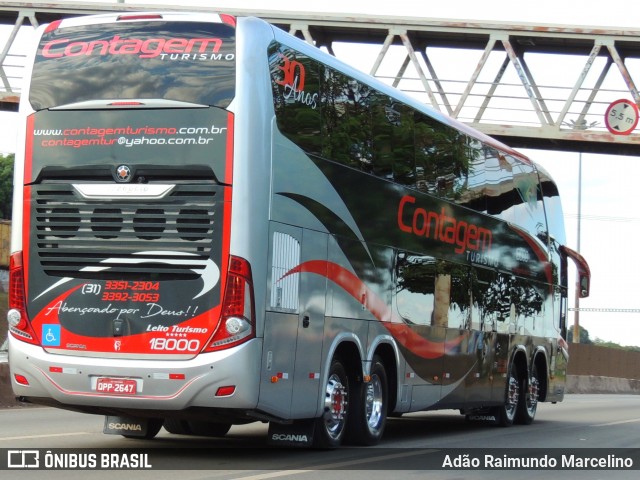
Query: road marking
x=336, y=466
x=52, y=435
x=620, y=422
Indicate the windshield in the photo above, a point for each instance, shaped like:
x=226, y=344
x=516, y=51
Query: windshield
x=180, y=61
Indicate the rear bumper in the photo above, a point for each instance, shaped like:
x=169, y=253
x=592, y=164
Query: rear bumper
x=167, y=385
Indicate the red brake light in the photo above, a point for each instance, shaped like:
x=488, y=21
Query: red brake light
x=237, y=322
x=19, y=324
x=126, y=104
x=139, y=16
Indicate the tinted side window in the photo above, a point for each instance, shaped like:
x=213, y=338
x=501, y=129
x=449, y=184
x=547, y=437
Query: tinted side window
x=415, y=287
x=346, y=121
x=296, y=80
x=431, y=291
x=500, y=194
x=530, y=210
x=553, y=208
x=474, y=194
x=444, y=159
x=393, y=145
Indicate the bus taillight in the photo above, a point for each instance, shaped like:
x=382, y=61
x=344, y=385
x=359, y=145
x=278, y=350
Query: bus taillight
x=19, y=324
x=138, y=16
x=238, y=310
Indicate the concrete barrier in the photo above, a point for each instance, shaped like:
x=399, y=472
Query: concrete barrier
x=598, y=384
x=586, y=360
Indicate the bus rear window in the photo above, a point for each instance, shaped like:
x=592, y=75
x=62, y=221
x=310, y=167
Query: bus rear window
x=181, y=61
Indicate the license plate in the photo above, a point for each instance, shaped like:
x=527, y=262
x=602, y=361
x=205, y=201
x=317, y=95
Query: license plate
x=117, y=386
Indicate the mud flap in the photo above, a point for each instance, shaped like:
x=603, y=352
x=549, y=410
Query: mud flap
x=490, y=416
x=296, y=434
x=128, y=426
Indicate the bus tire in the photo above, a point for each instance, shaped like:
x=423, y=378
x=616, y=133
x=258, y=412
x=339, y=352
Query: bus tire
x=176, y=426
x=330, y=428
x=209, y=429
x=190, y=427
x=368, y=416
x=506, y=414
x=528, y=404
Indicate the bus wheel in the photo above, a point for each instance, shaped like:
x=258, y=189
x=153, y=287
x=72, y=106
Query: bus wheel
x=369, y=415
x=176, y=426
x=209, y=429
x=330, y=427
x=529, y=402
x=202, y=429
x=507, y=413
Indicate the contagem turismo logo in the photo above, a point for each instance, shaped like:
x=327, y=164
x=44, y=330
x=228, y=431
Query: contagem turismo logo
x=149, y=48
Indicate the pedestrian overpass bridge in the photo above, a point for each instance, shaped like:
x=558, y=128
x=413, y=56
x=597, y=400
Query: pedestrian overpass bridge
x=530, y=85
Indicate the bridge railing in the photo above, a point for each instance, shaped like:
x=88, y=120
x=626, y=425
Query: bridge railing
x=539, y=86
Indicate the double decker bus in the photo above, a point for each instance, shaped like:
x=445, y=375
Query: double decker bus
x=216, y=223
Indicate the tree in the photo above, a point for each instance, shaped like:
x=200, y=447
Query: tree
x=6, y=185
x=584, y=335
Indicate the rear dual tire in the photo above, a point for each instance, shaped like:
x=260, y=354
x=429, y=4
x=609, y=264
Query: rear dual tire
x=370, y=413
x=353, y=410
x=331, y=427
x=521, y=399
x=529, y=405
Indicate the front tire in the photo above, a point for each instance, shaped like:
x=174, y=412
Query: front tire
x=330, y=428
x=369, y=415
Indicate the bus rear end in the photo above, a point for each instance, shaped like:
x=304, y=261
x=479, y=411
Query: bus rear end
x=124, y=297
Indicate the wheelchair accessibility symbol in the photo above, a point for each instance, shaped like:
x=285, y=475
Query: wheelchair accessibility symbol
x=50, y=335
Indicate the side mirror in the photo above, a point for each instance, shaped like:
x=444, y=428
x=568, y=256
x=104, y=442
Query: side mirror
x=584, y=286
x=584, y=273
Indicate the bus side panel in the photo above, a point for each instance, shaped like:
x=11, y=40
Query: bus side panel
x=281, y=319
x=276, y=383
x=294, y=321
x=311, y=320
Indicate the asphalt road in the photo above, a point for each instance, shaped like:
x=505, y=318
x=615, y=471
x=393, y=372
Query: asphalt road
x=409, y=449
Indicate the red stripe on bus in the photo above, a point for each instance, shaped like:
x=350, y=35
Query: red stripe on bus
x=355, y=287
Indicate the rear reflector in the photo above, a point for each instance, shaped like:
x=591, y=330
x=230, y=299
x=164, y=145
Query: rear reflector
x=225, y=391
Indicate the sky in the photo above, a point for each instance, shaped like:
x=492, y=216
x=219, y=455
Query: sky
x=610, y=193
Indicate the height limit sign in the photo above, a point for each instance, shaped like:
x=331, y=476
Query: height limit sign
x=621, y=117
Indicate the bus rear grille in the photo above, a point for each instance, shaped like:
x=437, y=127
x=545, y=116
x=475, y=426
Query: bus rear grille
x=150, y=238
